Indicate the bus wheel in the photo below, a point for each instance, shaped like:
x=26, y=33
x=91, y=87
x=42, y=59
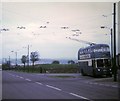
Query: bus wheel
x=110, y=75
x=94, y=74
x=82, y=72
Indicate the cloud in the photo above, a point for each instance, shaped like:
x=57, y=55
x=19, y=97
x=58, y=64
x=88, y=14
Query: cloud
x=51, y=40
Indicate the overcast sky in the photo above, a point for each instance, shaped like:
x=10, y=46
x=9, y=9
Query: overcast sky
x=51, y=42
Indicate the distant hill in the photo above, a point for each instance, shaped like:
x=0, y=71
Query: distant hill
x=41, y=61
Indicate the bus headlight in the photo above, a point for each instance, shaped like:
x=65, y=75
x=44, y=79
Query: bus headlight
x=98, y=70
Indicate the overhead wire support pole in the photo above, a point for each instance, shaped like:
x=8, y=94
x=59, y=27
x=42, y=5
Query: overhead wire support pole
x=28, y=55
x=111, y=34
x=16, y=58
x=9, y=62
x=111, y=42
x=114, y=59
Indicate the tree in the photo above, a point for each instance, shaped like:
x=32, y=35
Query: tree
x=71, y=62
x=24, y=59
x=34, y=56
x=55, y=62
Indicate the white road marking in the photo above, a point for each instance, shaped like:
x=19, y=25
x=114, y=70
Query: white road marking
x=114, y=86
x=17, y=76
x=21, y=77
x=53, y=87
x=39, y=83
x=13, y=75
x=28, y=79
x=91, y=83
x=78, y=96
x=95, y=83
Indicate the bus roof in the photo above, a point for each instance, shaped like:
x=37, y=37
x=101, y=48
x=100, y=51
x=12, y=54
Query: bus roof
x=94, y=46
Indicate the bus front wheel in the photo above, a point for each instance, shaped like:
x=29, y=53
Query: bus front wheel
x=82, y=72
x=94, y=74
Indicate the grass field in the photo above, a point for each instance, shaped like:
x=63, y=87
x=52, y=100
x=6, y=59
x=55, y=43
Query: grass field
x=47, y=68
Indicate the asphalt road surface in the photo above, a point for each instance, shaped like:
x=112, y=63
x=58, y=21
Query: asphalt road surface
x=19, y=85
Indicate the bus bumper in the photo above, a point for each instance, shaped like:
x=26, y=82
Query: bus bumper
x=105, y=71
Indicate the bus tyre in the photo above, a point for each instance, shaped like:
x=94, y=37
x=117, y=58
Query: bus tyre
x=82, y=72
x=94, y=74
x=110, y=75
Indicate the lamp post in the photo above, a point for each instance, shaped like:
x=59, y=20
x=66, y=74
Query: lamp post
x=114, y=27
x=114, y=43
x=16, y=57
x=9, y=62
x=110, y=42
x=28, y=55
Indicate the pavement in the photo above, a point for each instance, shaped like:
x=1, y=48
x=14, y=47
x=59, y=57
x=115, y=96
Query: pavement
x=105, y=81
x=109, y=80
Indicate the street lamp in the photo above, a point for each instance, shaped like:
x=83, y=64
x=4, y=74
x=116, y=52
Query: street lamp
x=28, y=55
x=114, y=42
x=111, y=45
x=114, y=27
x=110, y=39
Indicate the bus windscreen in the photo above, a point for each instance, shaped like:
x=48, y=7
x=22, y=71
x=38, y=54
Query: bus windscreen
x=103, y=62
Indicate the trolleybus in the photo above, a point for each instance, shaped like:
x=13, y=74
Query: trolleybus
x=95, y=60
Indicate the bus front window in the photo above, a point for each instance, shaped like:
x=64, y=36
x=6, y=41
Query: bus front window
x=103, y=63
x=100, y=63
x=107, y=62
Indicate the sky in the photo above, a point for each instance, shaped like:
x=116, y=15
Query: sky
x=51, y=41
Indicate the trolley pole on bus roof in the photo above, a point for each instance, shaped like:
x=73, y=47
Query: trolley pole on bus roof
x=114, y=41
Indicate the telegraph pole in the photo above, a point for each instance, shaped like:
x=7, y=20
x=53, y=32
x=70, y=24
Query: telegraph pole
x=9, y=62
x=16, y=58
x=114, y=59
x=28, y=55
x=111, y=43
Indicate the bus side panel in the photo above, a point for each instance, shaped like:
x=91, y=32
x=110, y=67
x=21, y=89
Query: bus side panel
x=85, y=68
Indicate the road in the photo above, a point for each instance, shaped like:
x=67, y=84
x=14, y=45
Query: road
x=19, y=85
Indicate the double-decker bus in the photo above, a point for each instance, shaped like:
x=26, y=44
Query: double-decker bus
x=95, y=60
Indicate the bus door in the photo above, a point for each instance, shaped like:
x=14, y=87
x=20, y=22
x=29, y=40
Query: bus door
x=89, y=67
x=94, y=65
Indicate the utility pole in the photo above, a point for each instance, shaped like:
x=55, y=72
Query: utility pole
x=114, y=59
x=111, y=49
x=111, y=43
x=28, y=55
x=9, y=62
x=16, y=58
